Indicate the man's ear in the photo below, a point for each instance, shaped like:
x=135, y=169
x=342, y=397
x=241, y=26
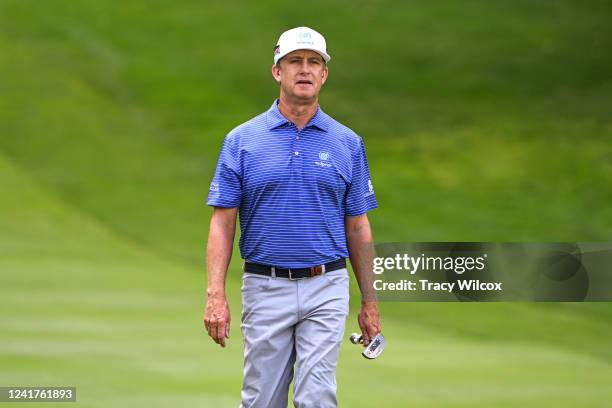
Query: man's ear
x=324, y=75
x=276, y=73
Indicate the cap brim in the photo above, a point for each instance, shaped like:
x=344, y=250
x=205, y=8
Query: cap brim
x=325, y=56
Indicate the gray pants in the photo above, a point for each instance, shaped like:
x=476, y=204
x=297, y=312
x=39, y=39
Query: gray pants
x=287, y=323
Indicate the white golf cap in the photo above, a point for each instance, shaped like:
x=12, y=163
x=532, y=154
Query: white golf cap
x=300, y=38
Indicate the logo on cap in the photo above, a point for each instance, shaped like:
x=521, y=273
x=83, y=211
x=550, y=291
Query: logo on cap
x=305, y=36
x=277, y=50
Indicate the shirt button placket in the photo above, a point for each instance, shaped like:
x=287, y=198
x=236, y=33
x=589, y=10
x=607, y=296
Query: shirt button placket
x=296, y=152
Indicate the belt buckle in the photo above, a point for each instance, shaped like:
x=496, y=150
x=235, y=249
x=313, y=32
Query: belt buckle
x=292, y=278
x=317, y=270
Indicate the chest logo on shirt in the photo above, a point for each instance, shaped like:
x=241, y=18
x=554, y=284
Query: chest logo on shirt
x=323, y=160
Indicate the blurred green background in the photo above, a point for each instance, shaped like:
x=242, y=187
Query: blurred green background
x=483, y=121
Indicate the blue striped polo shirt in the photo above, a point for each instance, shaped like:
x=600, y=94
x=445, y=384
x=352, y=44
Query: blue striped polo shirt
x=293, y=187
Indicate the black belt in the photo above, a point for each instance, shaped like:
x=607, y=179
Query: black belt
x=294, y=273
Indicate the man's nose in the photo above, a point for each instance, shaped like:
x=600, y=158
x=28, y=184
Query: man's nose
x=304, y=67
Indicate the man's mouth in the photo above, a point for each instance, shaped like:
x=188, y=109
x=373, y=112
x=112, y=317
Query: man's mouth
x=304, y=82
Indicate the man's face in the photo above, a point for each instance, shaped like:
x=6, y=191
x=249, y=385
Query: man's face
x=301, y=74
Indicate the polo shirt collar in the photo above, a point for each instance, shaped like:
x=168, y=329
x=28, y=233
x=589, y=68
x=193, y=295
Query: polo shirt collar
x=275, y=118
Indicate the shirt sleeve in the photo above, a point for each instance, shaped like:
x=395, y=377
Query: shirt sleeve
x=226, y=186
x=360, y=196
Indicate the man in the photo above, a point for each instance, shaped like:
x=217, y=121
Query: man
x=300, y=182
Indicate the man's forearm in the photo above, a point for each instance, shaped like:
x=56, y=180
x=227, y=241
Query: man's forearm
x=361, y=254
x=219, y=251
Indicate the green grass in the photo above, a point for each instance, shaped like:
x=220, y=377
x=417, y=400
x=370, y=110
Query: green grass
x=482, y=121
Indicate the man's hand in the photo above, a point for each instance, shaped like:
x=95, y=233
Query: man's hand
x=217, y=318
x=369, y=321
x=218, y=255
x=361, y=252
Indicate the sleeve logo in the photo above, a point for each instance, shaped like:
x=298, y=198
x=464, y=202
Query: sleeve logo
x=370, y=189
